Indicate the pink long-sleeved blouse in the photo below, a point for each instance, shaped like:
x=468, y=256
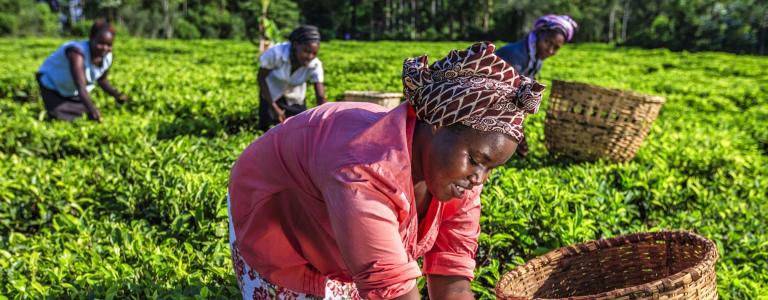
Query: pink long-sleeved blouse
x=329, y=194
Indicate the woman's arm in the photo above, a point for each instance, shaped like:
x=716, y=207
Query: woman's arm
x=412, y=295
x=449, y=287
x=320, y=93
x=265, y=93
x=450, y=264
x=76, y=68
x=107, y=87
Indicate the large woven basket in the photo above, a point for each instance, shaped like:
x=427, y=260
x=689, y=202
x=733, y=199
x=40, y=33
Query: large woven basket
x=388, y=100
x=661, y=265
x=588, y=122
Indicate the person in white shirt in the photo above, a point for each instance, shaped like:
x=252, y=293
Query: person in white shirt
x=284, y=70
x=67, y=76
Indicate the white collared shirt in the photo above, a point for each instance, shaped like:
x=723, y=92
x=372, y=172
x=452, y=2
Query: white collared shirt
x=281, y=82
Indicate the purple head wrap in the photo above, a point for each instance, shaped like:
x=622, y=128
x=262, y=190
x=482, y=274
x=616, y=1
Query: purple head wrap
x=564, y=24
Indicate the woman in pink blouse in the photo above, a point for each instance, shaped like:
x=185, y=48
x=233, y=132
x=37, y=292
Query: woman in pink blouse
x=340, y=201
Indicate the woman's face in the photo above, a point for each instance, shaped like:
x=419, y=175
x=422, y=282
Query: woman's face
x=459, y=158
x=306, y=52
x=101, y=44
x=548, y=43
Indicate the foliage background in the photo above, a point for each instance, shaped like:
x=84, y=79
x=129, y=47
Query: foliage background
x=739, y=26
x=135, y=207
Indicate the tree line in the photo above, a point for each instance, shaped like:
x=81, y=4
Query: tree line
x=739, y=26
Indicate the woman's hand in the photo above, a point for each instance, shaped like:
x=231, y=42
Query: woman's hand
x=278, y=111
x=107, y=86
x=122, y=98
x=95, y=115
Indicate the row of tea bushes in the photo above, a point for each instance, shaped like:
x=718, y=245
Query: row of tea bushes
x=135, y=207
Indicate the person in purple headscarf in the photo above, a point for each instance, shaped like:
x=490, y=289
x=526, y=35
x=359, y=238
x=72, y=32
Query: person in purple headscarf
x=549, y=33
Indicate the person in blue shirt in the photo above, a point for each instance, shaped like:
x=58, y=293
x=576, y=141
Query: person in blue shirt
x=67, y=77
x=527, y=55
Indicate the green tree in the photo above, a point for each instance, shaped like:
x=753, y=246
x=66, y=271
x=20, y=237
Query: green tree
x=27, y=18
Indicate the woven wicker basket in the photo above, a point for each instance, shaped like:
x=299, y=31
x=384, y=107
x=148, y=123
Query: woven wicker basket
x=388, y=100
x=588, y=122
x=661, y=265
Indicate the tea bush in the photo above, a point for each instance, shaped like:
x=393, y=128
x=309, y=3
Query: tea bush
x=135, y=207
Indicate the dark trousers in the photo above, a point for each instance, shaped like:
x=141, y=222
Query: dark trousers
x=268, y=117
x=60, y=107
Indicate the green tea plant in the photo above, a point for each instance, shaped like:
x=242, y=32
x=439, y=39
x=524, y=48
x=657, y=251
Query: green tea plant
x=135, y=207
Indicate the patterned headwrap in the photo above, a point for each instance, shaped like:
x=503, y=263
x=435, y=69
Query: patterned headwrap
x=473, y=87
x=563, y=24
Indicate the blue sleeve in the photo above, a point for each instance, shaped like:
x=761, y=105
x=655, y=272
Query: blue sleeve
x=515, y=55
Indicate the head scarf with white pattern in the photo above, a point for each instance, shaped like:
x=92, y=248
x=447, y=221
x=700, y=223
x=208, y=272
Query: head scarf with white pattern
x=473, y=87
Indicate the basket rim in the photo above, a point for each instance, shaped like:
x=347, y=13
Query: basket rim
x=673, y=281
x=644, y=97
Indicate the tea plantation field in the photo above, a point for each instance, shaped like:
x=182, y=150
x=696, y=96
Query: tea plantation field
x=135, y=207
